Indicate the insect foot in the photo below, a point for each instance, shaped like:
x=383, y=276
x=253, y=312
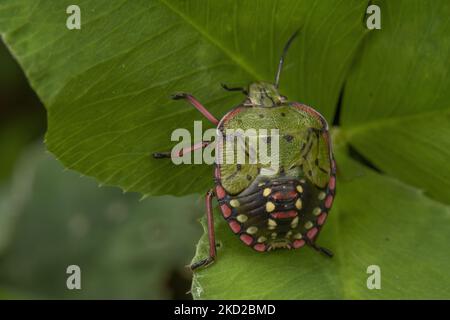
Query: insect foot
x=161, y=155
x=179, y=95
x=201, y=264
x=323, y=250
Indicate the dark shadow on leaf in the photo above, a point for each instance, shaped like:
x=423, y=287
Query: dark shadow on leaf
x=357, y=156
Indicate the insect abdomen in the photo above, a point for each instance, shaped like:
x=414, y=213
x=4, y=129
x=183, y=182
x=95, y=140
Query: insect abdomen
x=282, y=212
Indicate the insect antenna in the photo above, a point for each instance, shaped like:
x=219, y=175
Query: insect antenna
x=283, y=55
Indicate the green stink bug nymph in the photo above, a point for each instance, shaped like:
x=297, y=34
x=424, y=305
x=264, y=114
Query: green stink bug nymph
x=287, y=207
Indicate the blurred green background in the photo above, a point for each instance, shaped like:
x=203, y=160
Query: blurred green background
x=51, y=218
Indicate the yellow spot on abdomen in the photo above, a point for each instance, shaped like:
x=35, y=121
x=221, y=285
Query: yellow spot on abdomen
x=270, y=206
x=266, y=192
x=252, y=230
x=317, y=211
x=234, y=203
x=308, y=225
x=294, y=222
x=242, y=218
x=298, y=236
x=262, y=239
x=271, y=224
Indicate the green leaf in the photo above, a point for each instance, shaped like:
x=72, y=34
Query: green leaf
x=376, y=220
x=396, y=103
x=106, y=87
x=51, y=218
x=395, y=113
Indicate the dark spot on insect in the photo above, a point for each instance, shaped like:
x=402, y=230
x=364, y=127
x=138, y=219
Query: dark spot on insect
x=303, y=147
x=249, y=178
x=323, y=170
x=283, y=114
x=218, y=244
x=231, y=176
x=261, y=115
x=238, y=167
x=288, y=138
x=309, y=173
x=387, y=239
x=269, y=140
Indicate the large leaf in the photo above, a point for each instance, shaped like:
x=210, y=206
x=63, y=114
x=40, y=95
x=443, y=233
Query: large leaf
x=395, y=113
x=376, y=221
x=396, y=104
x=106, y=87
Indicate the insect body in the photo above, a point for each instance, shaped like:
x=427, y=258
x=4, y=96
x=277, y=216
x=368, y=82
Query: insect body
x=267, y=207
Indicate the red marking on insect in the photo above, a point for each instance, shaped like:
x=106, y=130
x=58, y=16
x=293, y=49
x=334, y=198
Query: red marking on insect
x=226, y=211
x=217, y=172
x=298, y=243
x=321, y=219
x=332, y=183
x=329, y=201
x=246, y=239
x=312, y=233
x=308, y=110
x=220, y=192
x=235, y=226
x=260, y=247
x=229, y=115
x=284, y=215
x=284, y=195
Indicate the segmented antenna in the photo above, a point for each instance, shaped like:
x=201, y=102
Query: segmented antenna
x=283, y=55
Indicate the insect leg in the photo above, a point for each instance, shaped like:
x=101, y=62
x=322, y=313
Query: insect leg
x=167, y=154
x=211, y=237
x=197, y=105
x=323, y=250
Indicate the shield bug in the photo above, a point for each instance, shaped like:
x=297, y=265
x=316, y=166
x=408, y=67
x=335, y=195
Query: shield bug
x=270, y=209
